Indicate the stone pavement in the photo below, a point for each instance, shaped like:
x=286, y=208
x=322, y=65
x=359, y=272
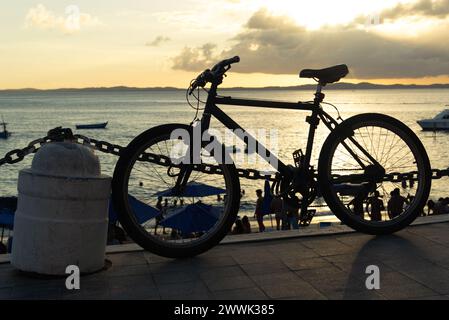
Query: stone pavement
x=414, y=264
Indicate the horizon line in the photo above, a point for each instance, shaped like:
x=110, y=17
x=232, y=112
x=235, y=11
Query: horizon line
x=338, y=84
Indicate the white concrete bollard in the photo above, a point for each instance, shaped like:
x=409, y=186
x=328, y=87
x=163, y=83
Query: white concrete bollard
x=62, y=211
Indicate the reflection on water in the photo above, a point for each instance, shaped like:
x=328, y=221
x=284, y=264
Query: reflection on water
x=30, y=115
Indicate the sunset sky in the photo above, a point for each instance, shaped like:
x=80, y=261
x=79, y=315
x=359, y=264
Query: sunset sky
x=143, y=43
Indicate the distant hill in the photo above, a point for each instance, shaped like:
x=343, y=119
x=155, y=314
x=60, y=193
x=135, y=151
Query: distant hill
x=350, y=86
x=336, y=86
x=94, y=89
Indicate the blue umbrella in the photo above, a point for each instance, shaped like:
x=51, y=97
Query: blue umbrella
x=142, y=211
x=8, y=206
x=193, y=189
x=7, y=219
x=6, y=222
x=267, y=198
x=196, y=217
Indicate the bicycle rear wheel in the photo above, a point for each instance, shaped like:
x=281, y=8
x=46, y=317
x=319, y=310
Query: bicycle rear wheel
x=367, y=197
x=166, y=221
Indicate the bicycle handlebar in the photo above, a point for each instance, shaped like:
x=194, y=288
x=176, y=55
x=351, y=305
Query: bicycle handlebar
x=224, y=63
x=215, y=73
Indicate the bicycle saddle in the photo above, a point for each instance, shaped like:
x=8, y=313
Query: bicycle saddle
x=327, y=75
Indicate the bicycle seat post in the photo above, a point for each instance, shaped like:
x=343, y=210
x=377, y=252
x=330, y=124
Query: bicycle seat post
x=319, y=96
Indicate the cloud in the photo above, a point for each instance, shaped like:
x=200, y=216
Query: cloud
x=157, y=41
x=74, y=20
x=423, y=8
x=277, y=45
x=193, y=59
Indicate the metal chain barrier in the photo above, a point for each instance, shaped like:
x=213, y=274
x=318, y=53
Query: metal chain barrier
x=61, y=134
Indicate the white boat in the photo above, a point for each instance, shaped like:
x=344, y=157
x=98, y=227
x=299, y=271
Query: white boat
x=439, y=122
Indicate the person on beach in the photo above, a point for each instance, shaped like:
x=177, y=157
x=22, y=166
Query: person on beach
x=276, y=207
x=409, y=201
x=246, y=225
x=258, y=214
x=357, y=204
x=238, y=228
x=294, y=214
x=430, y=207
x=446, y=205
x=438, y=207
x=441, y=206
x=396, y=204
x=160, y=216
x=376, y=205
x=292, y=209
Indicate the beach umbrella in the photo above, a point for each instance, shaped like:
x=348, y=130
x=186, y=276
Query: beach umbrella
x=7, y=219
x=142, y=211
x=193, y=189
x=196, y=217
x=8, y=206
x=267, y=198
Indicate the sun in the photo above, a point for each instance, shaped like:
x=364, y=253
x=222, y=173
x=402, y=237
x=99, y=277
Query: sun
x=315, y=14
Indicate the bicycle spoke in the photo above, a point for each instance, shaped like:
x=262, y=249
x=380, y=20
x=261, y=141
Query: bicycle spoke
x=389, y=150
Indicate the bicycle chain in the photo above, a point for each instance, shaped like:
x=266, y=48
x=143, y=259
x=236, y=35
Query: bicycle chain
x=61, y=134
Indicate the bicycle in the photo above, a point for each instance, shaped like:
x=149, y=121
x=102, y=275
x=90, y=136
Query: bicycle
x=364, y=157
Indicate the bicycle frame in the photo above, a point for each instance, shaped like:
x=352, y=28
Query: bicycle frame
x=214, y=110
x=211, y=109
x=317, y=114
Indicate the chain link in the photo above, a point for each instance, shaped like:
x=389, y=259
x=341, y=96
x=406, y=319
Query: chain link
x=102, y=146
x=61, y=134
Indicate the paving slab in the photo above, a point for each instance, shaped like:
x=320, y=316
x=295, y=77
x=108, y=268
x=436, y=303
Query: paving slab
x=413, y=264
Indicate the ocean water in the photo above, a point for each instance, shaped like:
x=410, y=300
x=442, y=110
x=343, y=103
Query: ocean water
x=31, y=115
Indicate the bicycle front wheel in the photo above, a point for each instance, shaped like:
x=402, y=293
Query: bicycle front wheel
x=165, y=220
x=374, y=174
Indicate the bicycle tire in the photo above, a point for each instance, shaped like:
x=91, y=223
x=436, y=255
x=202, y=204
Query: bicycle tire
x=134, y=229
x=329, y=194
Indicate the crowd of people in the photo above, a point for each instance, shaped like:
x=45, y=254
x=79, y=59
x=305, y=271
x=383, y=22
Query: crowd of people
x=367, y=207
x=439, y=207
x=285, y=214
x=362, y=205
x=241, y=226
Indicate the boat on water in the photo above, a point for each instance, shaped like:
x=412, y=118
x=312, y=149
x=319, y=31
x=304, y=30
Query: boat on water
x=439, y=122
x=5, y=134
x=101, y=125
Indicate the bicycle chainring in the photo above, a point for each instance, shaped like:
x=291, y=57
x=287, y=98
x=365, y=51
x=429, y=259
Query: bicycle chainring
x=297, y=182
